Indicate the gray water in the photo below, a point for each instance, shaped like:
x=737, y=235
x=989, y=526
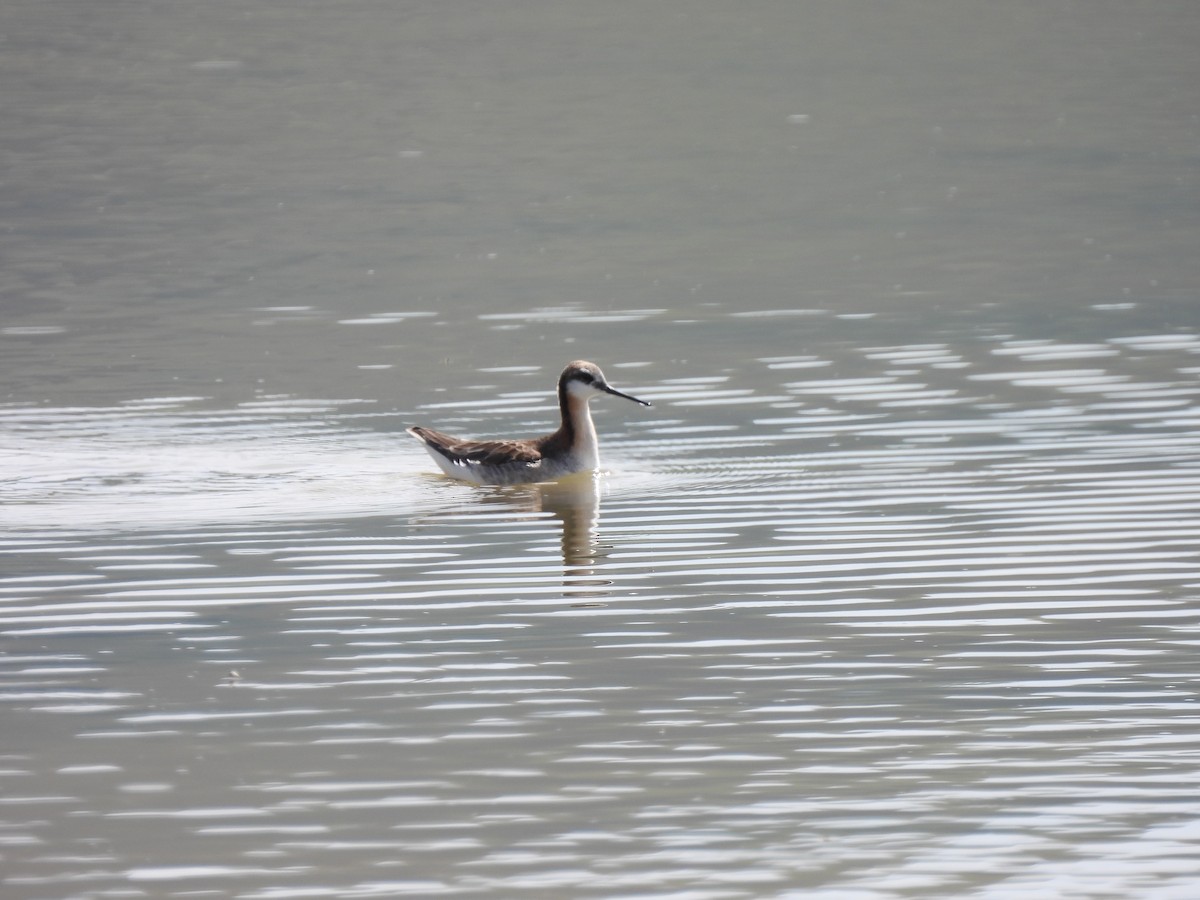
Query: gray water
x=892, y=593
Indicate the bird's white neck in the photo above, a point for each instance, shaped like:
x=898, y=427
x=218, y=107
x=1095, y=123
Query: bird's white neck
x=585, y=446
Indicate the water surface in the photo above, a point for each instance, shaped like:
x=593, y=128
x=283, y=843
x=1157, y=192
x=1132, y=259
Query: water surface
x=892, y=593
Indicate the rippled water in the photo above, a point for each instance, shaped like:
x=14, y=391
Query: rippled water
x=892, y=595
x=867, y=620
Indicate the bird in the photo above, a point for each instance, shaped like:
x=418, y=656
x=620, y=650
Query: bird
x=572, y=448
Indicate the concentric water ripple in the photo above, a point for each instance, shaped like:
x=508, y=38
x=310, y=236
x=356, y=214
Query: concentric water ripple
x=878, y=621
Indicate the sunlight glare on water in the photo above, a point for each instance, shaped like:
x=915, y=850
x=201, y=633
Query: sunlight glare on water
x=870, y=625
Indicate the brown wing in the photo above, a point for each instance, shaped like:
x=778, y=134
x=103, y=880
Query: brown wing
x=483, y=453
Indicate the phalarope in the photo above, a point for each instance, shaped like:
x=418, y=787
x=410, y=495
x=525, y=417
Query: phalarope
x=573, y=448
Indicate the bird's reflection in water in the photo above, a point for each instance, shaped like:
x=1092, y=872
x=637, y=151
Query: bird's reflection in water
x=575, y=502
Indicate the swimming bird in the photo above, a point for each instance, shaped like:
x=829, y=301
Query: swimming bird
x=573, y=448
